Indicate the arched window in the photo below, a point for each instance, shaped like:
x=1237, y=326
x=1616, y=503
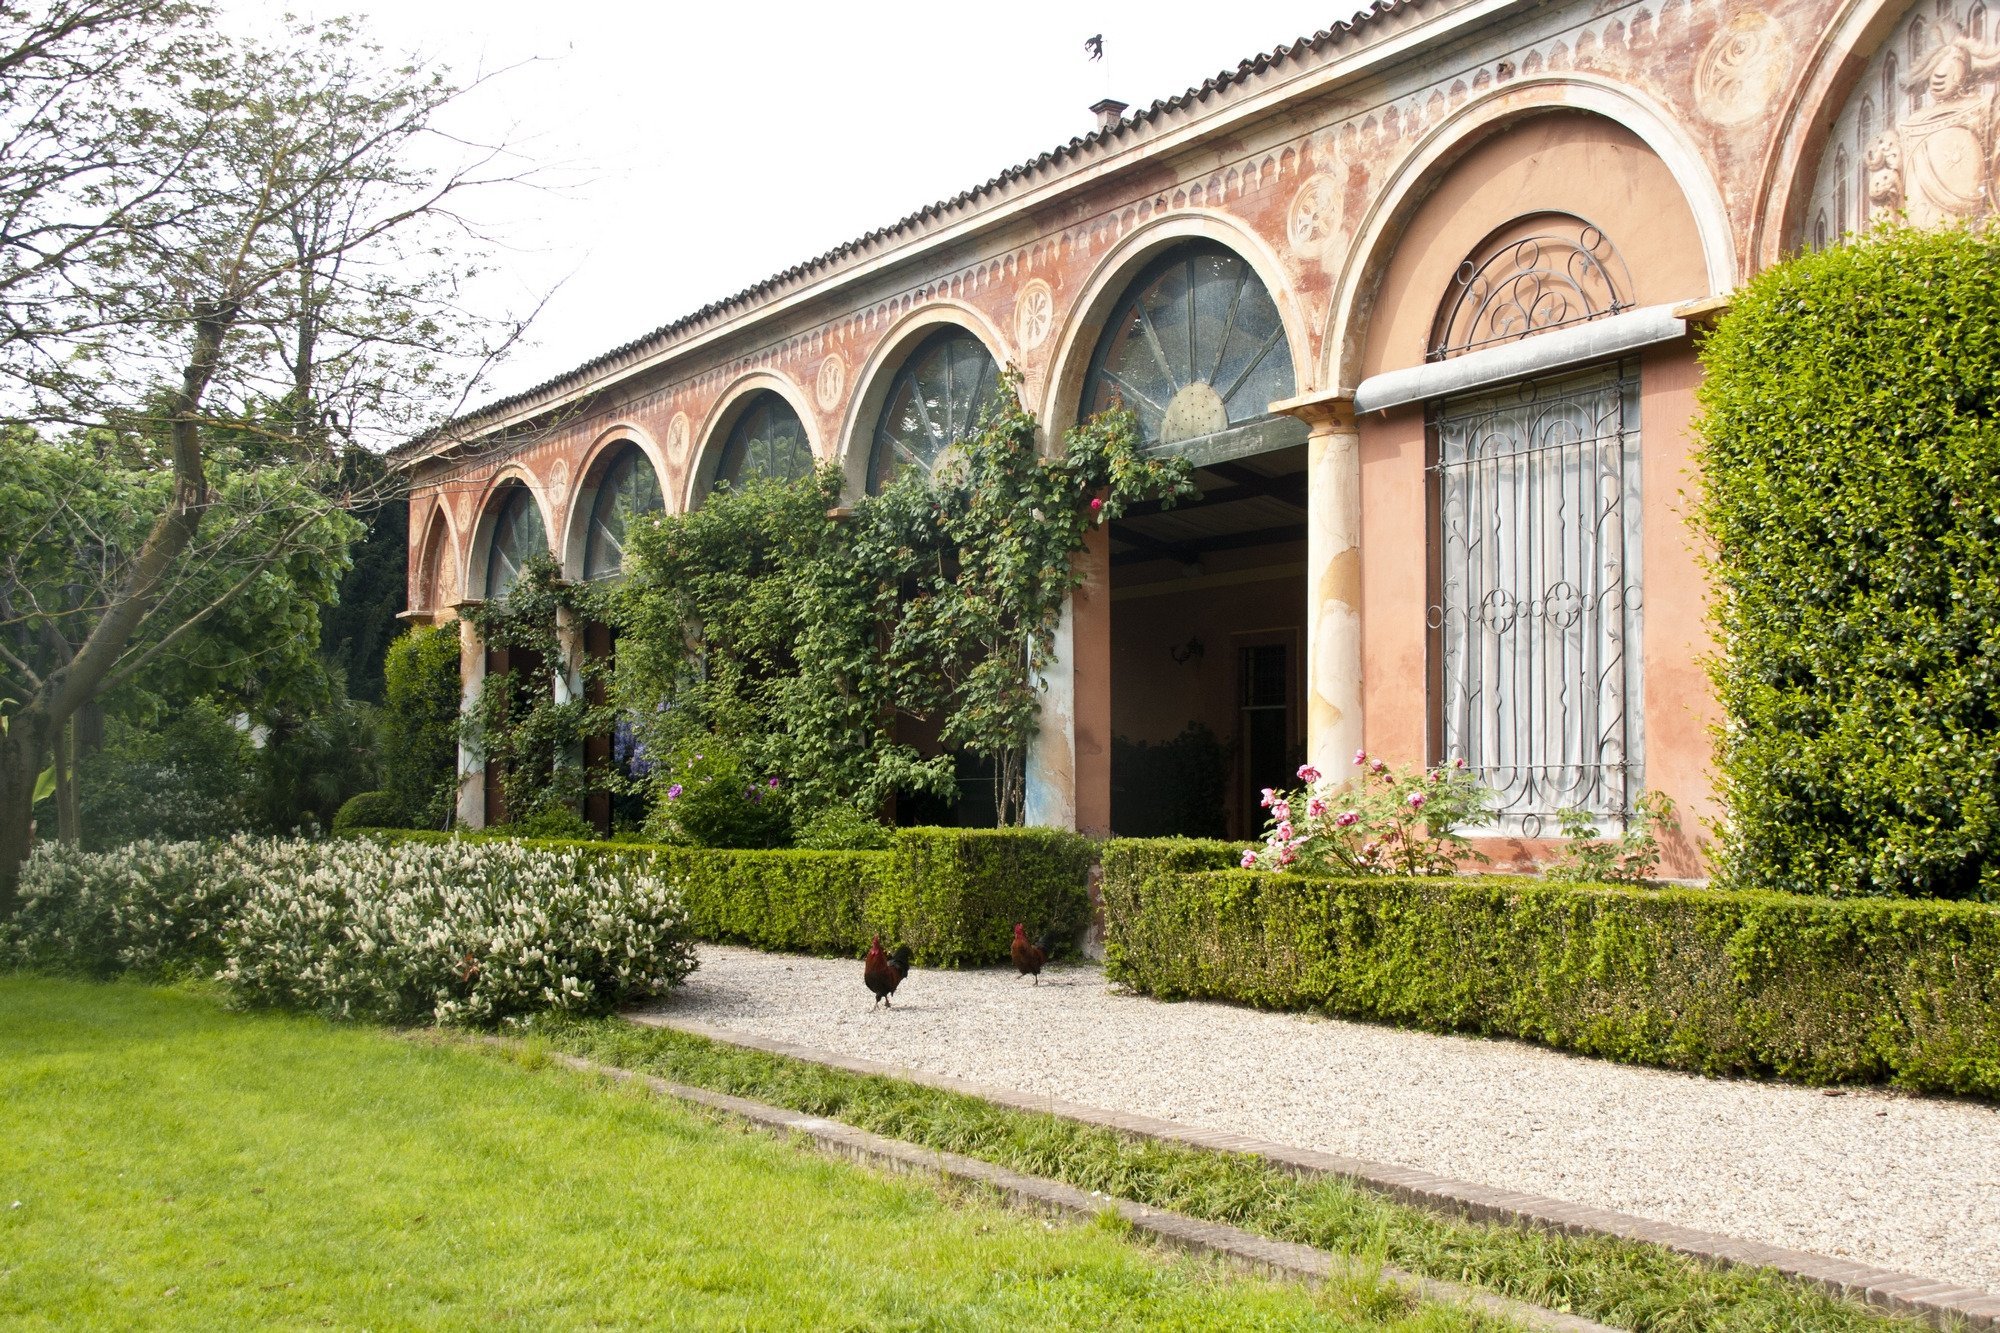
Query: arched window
x=628, y=489
x=1891, y=91
x=1975, y=22
x=1819, y=231
x=517, y=535
x=437, y=573
x=1864, y=125
x=768, y=440
x=935, y=401
x=1538, y=273
x=1195, y=347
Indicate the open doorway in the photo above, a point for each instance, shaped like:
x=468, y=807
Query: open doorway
x=1208, y=603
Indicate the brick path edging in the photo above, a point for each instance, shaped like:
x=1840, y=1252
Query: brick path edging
x=1946, y=1305
x=1243, y=1249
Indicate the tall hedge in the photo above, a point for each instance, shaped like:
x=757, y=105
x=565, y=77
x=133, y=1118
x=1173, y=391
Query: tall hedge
x=1718, y=982
x=1851, y=489
x=420, y=710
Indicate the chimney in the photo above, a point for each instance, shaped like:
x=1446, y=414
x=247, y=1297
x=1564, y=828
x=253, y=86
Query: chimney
x=1109, y=112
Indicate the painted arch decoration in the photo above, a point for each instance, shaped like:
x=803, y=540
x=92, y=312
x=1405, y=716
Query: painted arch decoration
x=935, y=400
x=518, y=535
x=1195, y=346
x=1916, y=138
x=628, y=490
x=766, y=440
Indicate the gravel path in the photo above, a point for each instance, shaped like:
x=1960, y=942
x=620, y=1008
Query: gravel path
x=1906, y=1183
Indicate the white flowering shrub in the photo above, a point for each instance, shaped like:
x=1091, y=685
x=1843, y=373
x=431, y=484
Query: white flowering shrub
x=153, y=907
x=463, y=932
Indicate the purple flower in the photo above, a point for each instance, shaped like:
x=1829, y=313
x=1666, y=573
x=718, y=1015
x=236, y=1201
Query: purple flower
x=1249, y=861
x=773, y=784
x=1348, y=818
x=1416, y=800
x=674, y=792
x=1307, y=773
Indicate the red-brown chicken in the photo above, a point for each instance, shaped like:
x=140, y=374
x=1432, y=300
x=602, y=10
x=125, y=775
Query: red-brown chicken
x=1028, y=958
x=883, y=972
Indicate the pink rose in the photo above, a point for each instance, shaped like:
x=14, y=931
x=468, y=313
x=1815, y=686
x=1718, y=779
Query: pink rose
x=1348, y=818
x=1307, y=773
x=1286, y=856
x=1458, y=762
x=1269, y=796
x=1377, y=767
x=1281, y=809
x=1249, y=861
x=1096, y=505
x=1315, y=807
x=1416, y=800
x=1360, y=758
x=1285, y=831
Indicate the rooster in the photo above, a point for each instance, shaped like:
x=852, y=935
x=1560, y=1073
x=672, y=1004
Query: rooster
x=1028, y=958
x=883, y=972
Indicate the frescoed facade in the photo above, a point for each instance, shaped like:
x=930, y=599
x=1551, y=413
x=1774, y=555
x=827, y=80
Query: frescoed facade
x=1417, y=296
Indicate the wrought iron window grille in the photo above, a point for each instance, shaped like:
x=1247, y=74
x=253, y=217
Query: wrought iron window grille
x=1569, y=274
x=1537, y=597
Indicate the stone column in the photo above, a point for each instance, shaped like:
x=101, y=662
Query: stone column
x=1069, y=762
x=471, y=769
x=1333, y=578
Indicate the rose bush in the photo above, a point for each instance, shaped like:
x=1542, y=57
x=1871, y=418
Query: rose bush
x=1383, y=820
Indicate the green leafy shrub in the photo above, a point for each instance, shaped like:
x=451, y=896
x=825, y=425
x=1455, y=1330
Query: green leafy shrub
x=711, y=798
x=1718, y=982
x=1632, y=857
x=369, y=810
x=842, y=828
x=551, y=822
x=953, y=895
x=400, y=930
x=420, y=723
x=1851, y=491
x=186, y=774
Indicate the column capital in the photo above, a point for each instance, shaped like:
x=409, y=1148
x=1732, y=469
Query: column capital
x=1326, y=410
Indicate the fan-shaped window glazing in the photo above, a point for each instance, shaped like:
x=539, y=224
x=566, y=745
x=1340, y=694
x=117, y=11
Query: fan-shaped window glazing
x=629, y=490
x=1194, y=347
x=935, y=401
x=517, y=535
x=768, y=440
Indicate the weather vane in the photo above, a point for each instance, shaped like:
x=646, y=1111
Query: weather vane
x=1095, y=46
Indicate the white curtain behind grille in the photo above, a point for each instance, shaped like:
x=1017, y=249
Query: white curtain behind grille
x=1538, y=616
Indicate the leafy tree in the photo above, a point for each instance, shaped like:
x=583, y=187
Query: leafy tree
x=238, y=259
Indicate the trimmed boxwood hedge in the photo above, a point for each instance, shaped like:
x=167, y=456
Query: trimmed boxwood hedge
x=369, y=809
x=1850, y=474
x=952, y=895
x=1814, y=989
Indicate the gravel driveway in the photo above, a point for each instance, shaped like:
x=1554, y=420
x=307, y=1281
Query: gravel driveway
x=1906, y=1183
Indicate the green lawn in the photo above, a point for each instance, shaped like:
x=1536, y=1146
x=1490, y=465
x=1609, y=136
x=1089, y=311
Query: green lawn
x=177, y=1165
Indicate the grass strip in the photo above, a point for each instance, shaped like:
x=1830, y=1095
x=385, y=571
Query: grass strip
x=173, y=1165
x=1634, y=1285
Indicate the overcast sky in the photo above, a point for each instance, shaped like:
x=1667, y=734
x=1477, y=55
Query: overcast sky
x=700, y=147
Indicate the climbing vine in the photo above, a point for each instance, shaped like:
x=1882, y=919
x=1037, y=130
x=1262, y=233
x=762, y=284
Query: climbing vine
x=535, y=738
x=793, y=633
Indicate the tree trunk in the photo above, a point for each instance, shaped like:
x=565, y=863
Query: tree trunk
x=21, y=749
x=69, y=809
